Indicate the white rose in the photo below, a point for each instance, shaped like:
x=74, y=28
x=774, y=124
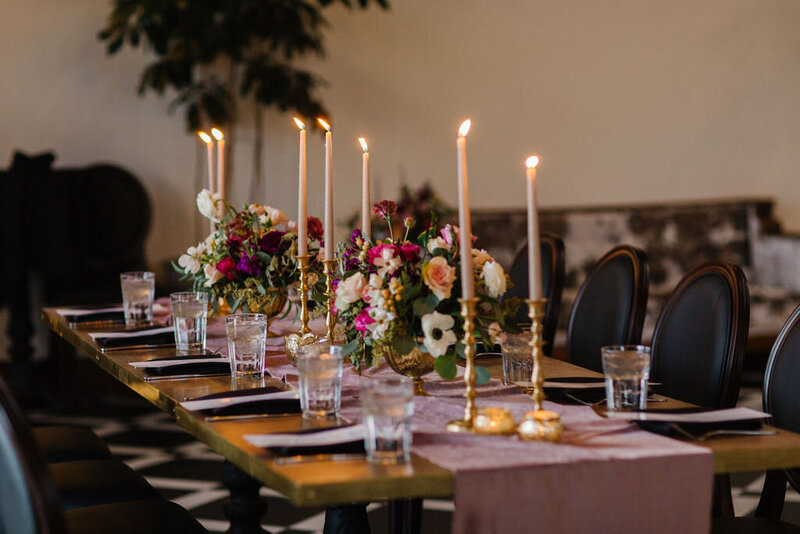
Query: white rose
x=212, y=274
x=211, y=206
x=439, y=334
x=256, y=209
x=349, y=291
x=492, y=273
x=480, y=257
x=275, y=215
x=437, y=242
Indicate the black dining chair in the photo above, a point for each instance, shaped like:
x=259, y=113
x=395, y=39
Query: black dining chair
x=30, y=503
x=553, y=275
x=781, y=400
x=700, y=336
x=610, y=306
x=698, y=346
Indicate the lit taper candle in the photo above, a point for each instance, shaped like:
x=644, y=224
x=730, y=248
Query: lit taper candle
x=302, y=202
x=210, y=155
x=328, y=191
x=217, y=133
x=465, y=242
x=534, y=250
x=366, y=224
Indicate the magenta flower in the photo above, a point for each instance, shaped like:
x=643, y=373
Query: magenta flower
x=234, y=244
x=362, y=320
x=227, y=266
x=384, y=251
x=409, y=251
x=249, y=265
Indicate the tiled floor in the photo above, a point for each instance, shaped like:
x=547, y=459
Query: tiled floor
x=189, y=473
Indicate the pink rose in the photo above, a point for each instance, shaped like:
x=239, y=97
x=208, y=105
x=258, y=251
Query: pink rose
x=409, y=251
x=362, y=320
x=439, y=277
x=350, y=290
x=226, y=266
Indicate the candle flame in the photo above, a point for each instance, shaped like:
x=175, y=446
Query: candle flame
x=363, y=144
x=532, y=162
x=217, y=133
x=300, y=124
x=324, y=124
x=464, y=128
x=204, y=136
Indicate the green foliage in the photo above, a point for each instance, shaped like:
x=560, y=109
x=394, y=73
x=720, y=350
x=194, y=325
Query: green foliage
x=257, y=39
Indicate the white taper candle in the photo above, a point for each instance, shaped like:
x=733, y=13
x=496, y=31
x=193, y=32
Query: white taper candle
x=329, y=245
x=366, y=222
x=302, y=202
x=465, y=242
x=534, y=251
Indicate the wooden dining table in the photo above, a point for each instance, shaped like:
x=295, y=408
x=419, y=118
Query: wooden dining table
x=326, y=481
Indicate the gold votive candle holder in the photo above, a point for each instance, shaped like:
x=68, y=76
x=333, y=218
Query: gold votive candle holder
x=494, y=420
x=541, y=425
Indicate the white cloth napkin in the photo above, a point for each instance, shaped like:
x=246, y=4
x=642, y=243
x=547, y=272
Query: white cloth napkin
x=138, y=333
x=170, y=363
x=710, y=416
x=209, y=404
x=315, y=439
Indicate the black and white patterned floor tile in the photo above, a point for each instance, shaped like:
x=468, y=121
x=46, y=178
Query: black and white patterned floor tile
x=189, y=473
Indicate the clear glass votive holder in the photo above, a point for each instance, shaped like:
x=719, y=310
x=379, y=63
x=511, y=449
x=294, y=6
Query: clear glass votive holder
x=189, y=318
x=627, y=370
x=247, y=343
x=517, y=359
x=319, y=369
x=138, y=289
x=387, y=404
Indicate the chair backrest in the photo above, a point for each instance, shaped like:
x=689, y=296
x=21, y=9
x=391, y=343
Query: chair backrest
x=700, y=336
x=553, y=274
x=610, y=306
x=28, y=499
x=781, y=394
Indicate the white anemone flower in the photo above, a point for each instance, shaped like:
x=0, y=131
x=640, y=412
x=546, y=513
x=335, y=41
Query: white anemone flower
x=439, y=335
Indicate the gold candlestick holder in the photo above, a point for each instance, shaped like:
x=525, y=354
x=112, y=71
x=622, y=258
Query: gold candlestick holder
x=330, y=318
x=304, y=336
x=540, y=424
x=468, y=423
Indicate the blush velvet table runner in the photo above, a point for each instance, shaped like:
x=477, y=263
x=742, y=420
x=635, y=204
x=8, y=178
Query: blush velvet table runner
x=605, y=476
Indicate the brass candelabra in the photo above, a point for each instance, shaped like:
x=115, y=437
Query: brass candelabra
x=330, y=318
x=468, y=423
x=539, y=424
x=304, y=336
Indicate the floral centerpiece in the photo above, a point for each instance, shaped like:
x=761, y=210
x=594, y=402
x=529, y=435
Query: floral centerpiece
x=249, y=258
x=401, y=295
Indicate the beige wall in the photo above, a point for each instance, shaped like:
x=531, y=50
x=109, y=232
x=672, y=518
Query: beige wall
x=628, y=100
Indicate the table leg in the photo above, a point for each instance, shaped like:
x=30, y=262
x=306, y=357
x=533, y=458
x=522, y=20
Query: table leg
x=405, y=516
x=245, y=507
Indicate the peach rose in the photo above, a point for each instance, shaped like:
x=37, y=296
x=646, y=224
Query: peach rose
x=439, y=277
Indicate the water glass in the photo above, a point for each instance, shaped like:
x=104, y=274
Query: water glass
x=387, y=404
x=627, y=369
x=517, y=359
x=319, y=368
x=138, y=288
x=189, y=317
x=247, y=343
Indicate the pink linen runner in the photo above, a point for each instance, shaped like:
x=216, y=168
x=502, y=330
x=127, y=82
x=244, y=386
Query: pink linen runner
x=605, y=476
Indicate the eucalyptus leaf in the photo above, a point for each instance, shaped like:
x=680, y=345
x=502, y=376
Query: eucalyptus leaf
x=350, y=347
x=403, y=344
x=445, y=366
x=482, y=375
